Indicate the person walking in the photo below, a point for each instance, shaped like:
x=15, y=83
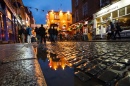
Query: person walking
x=60, y=35
x=112, y=30
x=29, y=33
x=50, y=31
x=117, y=30
x=23, y=34
x=42, y=33
x=85, y=32
x=108, y=31
x=55, y=34
x=37, y=34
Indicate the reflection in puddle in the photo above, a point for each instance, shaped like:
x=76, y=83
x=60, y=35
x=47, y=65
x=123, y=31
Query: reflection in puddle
x=56, y=62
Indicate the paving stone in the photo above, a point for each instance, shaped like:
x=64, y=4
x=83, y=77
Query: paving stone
x=124, y=81
x=125, y=61
x=108, y=76
x=118, y=67
x=82, y=76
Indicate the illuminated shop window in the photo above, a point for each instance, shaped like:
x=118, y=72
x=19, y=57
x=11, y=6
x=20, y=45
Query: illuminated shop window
x=115, y=14
x=56, y=16
x=68, y=17
x=122, y=11
x=113, y=1
x=128, y=9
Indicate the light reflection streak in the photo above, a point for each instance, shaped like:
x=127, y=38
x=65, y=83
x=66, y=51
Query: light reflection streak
x=56, y=62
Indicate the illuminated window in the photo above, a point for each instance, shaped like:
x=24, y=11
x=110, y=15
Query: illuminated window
x=115, y=14
x=122, y=11
x=128, y=9
x=68, y=17
x=56, y=16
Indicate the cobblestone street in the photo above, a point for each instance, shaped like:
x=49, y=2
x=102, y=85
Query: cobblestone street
x=86, y=63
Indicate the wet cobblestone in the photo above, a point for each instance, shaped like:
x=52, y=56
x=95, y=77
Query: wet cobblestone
x=19, y=66
x=95, y=63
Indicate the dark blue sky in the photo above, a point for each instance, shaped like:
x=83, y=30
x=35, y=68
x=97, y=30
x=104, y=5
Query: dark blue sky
x=46, y=5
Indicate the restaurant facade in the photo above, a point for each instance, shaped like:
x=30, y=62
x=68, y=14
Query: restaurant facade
x=13, y=16
x=118, y=11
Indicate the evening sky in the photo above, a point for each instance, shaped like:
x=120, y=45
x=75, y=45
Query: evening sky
x=37, y=7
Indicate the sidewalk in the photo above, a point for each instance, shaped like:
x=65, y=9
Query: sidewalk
x=19, y=66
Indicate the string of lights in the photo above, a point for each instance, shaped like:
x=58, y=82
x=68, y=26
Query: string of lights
x=37, y=9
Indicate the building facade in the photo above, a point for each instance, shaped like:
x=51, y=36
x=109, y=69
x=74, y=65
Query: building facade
x=62, y=19
x=83, y=10
x=115, y=11
x=12, y=18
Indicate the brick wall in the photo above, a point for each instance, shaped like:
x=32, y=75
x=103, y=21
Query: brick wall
x=93, y=7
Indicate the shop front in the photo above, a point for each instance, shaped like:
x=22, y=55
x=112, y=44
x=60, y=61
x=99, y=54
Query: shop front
x=117, y=12
x=9, y=25
x=2, y=31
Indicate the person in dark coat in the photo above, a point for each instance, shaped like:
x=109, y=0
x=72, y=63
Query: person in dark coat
x=117, y=31
x=50, y=31
x=112, y=30
x=55, y=33
x=37, y=34
x=42, y=33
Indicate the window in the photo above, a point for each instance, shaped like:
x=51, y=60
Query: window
x=104, y=3
x=115, y=14
x=76, y=3
x=113, y=1
x=76, y=16
x=128, y=9
x=56, y=16
x=85, y=9
x=122, y=11
x=68, y=17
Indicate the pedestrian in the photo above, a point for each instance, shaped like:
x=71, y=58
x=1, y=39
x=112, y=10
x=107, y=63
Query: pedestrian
x=42, y=33
x=85, y=32
x=117, y=30
x=50, y=31
x=108, y=31
x=29, y=33
x=60, y=35
x=34, y=39
x=23, y=34
x=37, y=34
x=112, y=30
x=101, y=31
x=55, y=34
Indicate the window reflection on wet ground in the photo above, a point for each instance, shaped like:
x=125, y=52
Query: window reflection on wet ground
x=56, y=70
